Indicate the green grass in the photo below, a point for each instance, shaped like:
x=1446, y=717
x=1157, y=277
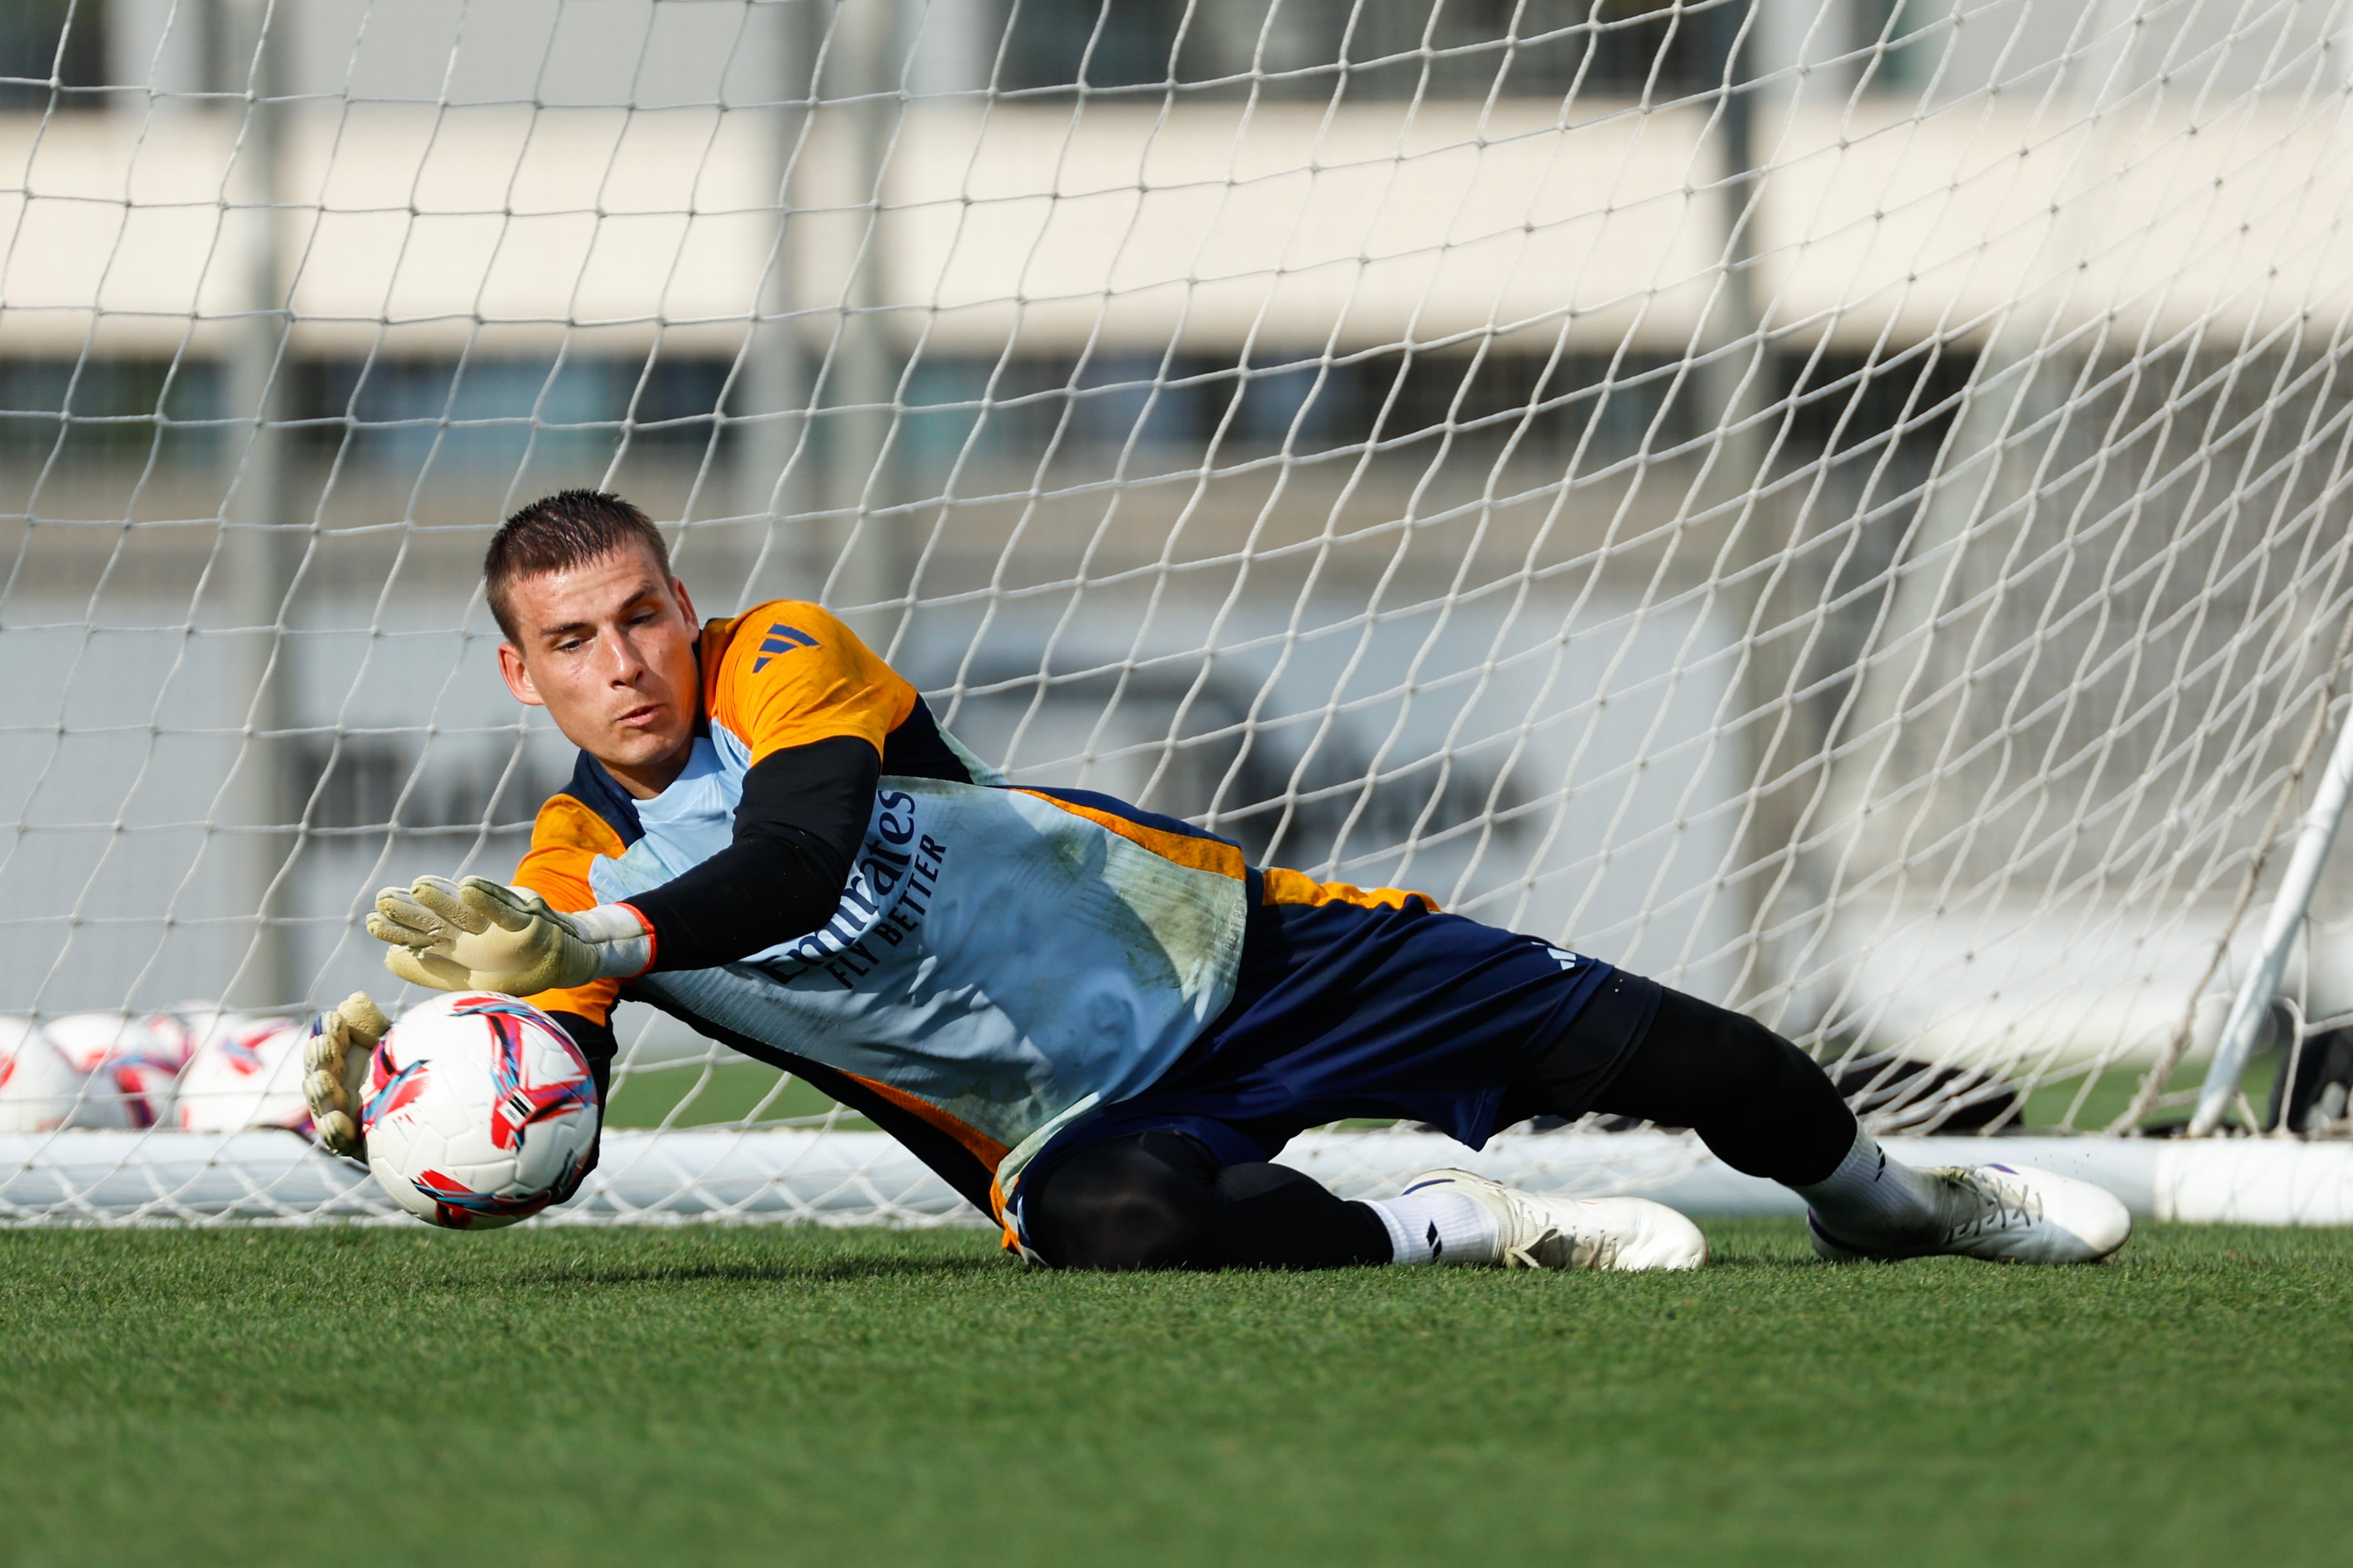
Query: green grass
x=756, y=1396
x=2112, y=1092
x=705, y=1093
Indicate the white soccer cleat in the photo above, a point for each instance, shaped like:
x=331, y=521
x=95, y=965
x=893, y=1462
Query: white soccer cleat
x=1541, y=1232
x=2004, y=1214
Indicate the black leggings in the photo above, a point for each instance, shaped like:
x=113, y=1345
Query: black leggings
x=1761, y=1105
x=1160, y=1200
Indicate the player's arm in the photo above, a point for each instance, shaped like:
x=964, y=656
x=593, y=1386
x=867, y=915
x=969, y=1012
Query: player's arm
x=812, y=706
x=796, y=831
x=797, y=828
x=815, y=730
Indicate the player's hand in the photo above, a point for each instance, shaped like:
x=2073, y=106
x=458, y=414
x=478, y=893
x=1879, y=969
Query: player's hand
x=335, y=1065
x=480, y=935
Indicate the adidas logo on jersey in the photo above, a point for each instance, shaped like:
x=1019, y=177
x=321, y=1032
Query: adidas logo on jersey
x=781, y=639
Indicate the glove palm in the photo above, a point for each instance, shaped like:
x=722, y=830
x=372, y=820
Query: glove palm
x=479, y=935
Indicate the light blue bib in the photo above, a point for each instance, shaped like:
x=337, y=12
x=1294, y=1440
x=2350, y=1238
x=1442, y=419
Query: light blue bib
x=993, y=954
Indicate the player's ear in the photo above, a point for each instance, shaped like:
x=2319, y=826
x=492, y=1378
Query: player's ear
x=517, y=676
x=685, y=603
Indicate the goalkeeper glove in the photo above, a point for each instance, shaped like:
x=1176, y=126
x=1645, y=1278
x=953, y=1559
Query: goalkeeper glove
x=336, y=1067
x=479, y=935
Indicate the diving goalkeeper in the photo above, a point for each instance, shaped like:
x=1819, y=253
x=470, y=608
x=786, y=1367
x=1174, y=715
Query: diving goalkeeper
x=1098, y=1023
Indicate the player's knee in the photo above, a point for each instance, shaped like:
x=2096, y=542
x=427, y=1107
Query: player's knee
x=1769, y=1066
x=1739, y=1060
x=1132, y=1202
x=1762, y=1105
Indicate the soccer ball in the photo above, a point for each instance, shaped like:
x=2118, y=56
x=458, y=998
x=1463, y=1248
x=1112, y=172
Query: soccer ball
x=38, y=1087
x=479, y=1112
x=243, y=1072
x=129, y=1067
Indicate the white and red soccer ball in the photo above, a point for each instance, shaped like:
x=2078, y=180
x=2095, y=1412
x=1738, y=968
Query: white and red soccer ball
x=129, y=1066
x=197, y=1066
x=479, y=1112
x=242, y=1072
x=40, y=1089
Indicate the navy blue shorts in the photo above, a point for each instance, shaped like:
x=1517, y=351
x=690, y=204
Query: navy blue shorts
x=1342, y=1011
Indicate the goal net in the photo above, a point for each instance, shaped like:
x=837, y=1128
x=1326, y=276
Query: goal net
x=1838, y=505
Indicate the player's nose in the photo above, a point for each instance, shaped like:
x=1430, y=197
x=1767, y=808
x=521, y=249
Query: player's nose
x=623, y=667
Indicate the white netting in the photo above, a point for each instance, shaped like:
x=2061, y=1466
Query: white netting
x=1837, y=504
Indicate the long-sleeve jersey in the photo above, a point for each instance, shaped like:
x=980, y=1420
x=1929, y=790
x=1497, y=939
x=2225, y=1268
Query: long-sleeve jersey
x=995, y=960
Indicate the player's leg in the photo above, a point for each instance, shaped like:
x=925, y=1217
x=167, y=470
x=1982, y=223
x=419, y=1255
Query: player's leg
x=1162, y=1199
x=1347, y=1007
x=1764, y=1107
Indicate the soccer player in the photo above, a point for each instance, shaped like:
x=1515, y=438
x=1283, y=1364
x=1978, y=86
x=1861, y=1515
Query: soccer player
x=1098, y=1023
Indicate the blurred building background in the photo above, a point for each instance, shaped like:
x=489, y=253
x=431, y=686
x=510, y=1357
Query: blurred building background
x=1734, y=486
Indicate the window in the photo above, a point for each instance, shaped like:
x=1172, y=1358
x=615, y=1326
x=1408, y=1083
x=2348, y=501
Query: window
x=1873, y=397
x=41, y=37
x=368, y=785
x=1312, y=49
x=485, y=414
x=1903, y=49
x=94, y=410
x=1403, y=402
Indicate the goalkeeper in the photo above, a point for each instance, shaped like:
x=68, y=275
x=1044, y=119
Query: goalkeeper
x=1098, y=1023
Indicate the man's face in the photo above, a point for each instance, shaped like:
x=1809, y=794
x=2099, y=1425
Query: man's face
x=608, y=649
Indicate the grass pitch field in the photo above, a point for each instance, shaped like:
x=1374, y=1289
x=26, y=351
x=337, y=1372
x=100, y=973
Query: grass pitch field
x=395, y=1395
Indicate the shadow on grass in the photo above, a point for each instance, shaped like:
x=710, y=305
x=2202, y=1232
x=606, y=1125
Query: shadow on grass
x=836, y=1271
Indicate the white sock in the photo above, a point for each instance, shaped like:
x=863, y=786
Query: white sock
x=1870, y=1195
x=1435, y=1224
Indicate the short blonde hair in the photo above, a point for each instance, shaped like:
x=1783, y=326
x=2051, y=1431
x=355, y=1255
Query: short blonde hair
x=570, y=528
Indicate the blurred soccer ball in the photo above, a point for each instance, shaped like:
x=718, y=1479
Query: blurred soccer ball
x=242, y=1072
x=38, y=1087
x=130, y=1065
x=481, y=1111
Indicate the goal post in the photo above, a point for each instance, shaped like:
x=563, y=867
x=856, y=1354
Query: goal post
x=1839, y=505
